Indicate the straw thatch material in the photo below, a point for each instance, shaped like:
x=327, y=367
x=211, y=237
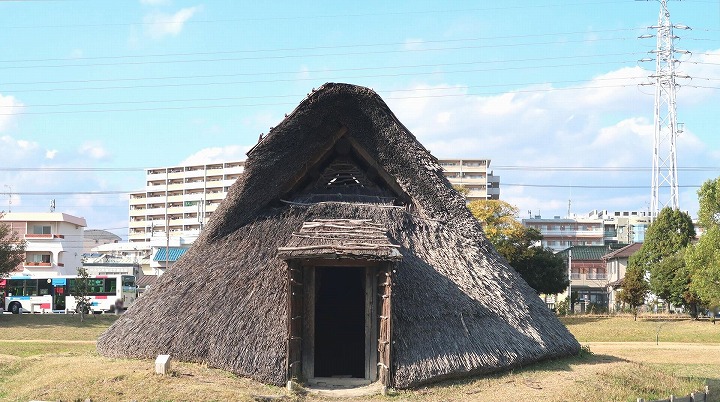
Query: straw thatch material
x=457, y=307
x=340, y=239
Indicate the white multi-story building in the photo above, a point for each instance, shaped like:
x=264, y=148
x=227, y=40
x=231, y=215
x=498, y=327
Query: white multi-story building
x=474, y=175
x=597, y=228
x=178, y=200
x=54, y=242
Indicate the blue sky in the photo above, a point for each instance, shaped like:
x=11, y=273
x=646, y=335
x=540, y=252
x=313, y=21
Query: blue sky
x=92, y=92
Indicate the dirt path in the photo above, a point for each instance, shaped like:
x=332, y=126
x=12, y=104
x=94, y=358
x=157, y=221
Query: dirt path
x=45, y=341
x=575, y=381
x=649, y=352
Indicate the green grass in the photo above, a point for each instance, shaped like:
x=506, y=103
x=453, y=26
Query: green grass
x=58, y=353
x=28, y=348
x=645, y=329
x=53, y=326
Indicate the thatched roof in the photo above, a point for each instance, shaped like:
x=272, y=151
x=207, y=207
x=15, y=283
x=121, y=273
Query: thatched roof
x=458, y=308
x=340, y=239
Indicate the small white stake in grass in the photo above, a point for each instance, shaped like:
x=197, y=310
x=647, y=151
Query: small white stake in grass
x=162, y=364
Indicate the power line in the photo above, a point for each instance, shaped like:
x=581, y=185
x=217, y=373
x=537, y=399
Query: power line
x=530, y=168
x=326, y=79
x=265, y=73
x=30, y=193
x=600, y=168
x=295, y=96
x=535, y=185
x=190, y=107
x=403, y=13
x=70, y=169
x=295, y=103
x=419, y=42
x=588, y=186
x=305, y=56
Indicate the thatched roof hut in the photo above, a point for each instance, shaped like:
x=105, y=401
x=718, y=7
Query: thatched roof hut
x=342, y=251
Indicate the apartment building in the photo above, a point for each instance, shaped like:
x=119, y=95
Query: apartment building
x=597, y=228
x=178, y=200
x=54, y=242
x=474, y=175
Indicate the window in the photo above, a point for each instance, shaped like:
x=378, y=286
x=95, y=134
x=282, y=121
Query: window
x=128, y=281
x=44, y=287
x=41, y=258
x=16, y=287
x=41, y=229
x=96, y=286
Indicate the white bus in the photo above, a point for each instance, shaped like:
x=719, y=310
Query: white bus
x=55, y=294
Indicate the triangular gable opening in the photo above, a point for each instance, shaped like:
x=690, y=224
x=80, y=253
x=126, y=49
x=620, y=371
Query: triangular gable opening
x=346, y=173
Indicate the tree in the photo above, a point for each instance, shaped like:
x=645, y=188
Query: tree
x=464, y=191
x=709, y=200
x=634, y=288
x=12, y=249
x=671, y=281
x=703, y=258
x=498, y=219
x=542, y=269
x=80, y=292
x=670, y=233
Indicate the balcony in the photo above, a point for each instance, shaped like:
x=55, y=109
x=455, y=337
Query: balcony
x=195, y=185
x=592, y=279
x=572, y=233
x=43, y=236
x=37, y=264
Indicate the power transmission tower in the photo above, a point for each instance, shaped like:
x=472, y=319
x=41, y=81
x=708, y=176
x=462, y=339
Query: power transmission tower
x=664, y=189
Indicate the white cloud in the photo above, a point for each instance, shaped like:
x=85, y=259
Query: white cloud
x=607, y=123
x=158, y=25
x=17, y=153
x=303, y=74
x=17, y=148
x=50, y=154
x=413, y=44
x=217, y=154
x=9, y=107
x=94, y=150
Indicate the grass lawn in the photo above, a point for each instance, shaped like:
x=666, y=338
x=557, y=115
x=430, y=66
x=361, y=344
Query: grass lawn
x=645, y=329
x=53, y=357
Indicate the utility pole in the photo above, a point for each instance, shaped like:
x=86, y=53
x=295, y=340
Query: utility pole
x=570, y=303
x=9, y=194
x=664, y=156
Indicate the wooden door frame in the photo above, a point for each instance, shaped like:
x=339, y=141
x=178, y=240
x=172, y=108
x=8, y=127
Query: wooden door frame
x=307, y=343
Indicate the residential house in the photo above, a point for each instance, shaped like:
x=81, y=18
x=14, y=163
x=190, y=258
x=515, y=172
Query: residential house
x=588, y=276
x=616, y=264
x=54, y=242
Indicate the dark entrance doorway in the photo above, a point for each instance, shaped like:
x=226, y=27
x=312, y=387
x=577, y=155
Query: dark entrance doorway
x=340, y=322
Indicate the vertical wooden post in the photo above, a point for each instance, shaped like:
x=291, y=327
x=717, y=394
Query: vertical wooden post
x=308, y=326
x=294, y=323
x=371, y=321
x=288, y=305
x=385, y=335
